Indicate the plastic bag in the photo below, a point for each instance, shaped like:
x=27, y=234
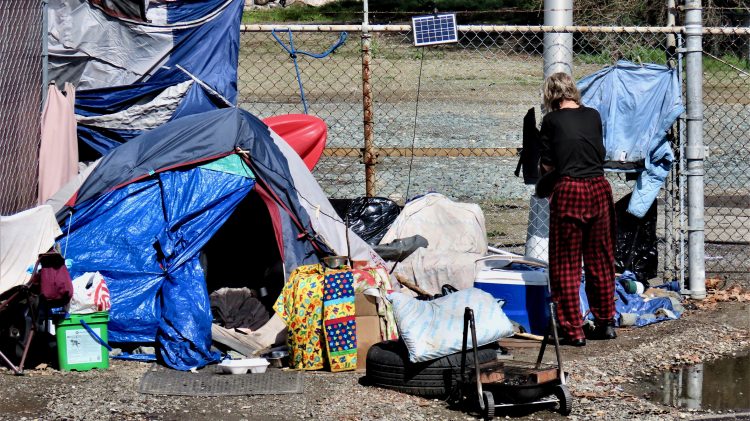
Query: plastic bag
x=90, y=294
x=636, y=248
x=370, y=217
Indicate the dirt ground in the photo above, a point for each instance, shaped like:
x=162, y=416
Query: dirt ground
x=604, y=379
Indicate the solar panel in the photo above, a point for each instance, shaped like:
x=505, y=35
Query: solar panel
x=434, y=29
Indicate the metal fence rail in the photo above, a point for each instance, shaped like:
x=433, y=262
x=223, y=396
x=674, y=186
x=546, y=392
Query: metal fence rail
x=449, y=118
x=20, y=90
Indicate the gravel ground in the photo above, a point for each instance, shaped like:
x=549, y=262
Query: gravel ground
x=604, y=379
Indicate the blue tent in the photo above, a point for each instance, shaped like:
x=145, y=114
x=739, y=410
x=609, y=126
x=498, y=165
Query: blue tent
x=144, y=214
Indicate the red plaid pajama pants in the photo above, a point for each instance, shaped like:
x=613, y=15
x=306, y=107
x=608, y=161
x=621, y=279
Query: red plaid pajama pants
x=582, y=227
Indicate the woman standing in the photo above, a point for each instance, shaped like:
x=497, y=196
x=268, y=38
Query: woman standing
x=582, y=218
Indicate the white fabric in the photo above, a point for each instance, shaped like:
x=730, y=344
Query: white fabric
x=59, y=199
x=431, y=269
x=447, y=225
x=23, y=237
x=142, y=116
x=434, y=329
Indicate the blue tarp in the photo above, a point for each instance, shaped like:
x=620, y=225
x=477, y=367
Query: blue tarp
x=208, y=50
x=646, y=311
x=147, y=209
x=638, y=104
x=144, y=238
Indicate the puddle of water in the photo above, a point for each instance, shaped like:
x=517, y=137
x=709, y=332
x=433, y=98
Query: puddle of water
x=718, y=385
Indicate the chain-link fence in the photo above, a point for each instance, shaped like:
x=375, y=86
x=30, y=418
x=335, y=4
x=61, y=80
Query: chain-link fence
x=447, y=118
x=20, y=90
x=726, y=100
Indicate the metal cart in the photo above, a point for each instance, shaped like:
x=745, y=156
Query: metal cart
x=519, y=384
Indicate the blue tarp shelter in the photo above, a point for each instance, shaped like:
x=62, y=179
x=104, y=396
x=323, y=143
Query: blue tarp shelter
x=142, y=216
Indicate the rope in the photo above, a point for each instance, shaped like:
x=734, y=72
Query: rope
x=95, y=336
x=414, y=134
x=294, y=52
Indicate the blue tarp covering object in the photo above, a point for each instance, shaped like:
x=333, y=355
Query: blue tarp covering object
x=147, y=209
x=638, y=104
x=645, y=311
x=201, y=36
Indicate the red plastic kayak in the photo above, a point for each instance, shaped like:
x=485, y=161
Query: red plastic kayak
x=306, y=134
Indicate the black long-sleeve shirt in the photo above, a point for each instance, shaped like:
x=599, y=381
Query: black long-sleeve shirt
x=571, y=141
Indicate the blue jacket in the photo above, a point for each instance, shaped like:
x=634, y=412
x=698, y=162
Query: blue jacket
x=638, y=104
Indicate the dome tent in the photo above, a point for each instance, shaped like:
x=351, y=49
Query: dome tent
x=145, y=212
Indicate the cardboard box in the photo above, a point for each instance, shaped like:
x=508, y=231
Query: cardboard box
x=368, y=326
x=368, y=334
x=364, y=305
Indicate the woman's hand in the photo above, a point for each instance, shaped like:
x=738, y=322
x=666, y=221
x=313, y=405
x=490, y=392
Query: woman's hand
x=546, y=169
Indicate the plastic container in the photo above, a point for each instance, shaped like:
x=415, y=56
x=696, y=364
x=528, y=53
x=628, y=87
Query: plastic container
x=254, y=365
x=524, y=293
x=77, y=349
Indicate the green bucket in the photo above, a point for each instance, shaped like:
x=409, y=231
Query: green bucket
x=77, y=349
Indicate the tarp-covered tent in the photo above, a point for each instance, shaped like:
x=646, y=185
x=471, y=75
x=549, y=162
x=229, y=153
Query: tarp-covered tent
x=150, y=205
x=132, y=76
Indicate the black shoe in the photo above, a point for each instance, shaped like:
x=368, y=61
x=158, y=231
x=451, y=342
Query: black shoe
x=573, y=342
x=601, y=332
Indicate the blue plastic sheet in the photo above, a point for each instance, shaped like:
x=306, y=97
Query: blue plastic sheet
x=144, y=238
x=209, y=51
x=647, y=312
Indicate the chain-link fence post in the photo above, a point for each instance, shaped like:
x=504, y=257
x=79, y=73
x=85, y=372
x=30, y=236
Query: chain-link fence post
x=368, y=155
x=695, y=151
x=669, y=188
x=558, y=47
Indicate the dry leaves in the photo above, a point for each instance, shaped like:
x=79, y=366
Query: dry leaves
x=717, y=291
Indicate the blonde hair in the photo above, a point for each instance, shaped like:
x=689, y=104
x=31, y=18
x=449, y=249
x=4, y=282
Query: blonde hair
x=557, y=87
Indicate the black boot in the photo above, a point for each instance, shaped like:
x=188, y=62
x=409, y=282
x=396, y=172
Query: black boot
x=573, y=342
x=601, y=331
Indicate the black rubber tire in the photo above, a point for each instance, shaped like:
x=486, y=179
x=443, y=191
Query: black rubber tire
x=388, y=366
x=565, y=400
x=489, y=405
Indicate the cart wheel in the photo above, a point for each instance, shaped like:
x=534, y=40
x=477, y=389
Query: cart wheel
x=566, y=399
x=489, y=405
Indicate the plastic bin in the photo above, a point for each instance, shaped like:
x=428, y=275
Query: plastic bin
x=524, y=292
x=77, y=349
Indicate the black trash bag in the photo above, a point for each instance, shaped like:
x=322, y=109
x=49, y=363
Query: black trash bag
x=370, y=217
x=636, y=248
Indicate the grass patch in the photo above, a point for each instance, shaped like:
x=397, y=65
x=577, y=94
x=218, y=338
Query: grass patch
x=295, y=13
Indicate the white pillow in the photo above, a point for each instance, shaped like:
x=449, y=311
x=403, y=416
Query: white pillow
x=434, y=329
